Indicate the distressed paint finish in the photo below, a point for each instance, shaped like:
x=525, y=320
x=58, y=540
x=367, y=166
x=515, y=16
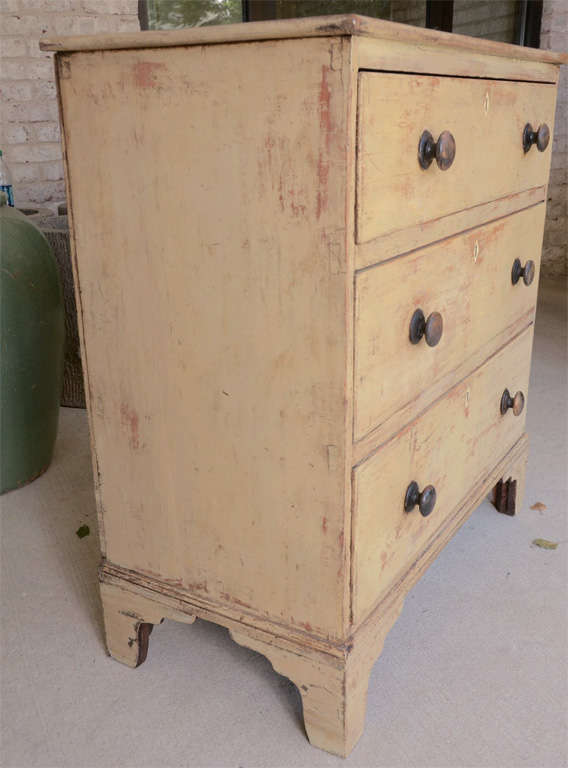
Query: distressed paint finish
x=229, y=320
x=455, y=442
x=405, y=240
x=432, y=58
x=198, y=314
x=128, y=618
x=394, y=110
x=467, y=279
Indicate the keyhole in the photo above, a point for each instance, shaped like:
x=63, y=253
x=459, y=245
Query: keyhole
x=475, y=250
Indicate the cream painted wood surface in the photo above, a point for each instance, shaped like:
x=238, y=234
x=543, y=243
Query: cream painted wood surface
x=123, y=613
x=333, y=690
x=432, y=391
x=390, y=55
x=511, y=466
x=214, y=340
x=467, y=279
x=332, y=682
x=486, y=118
x=404, y=240
x=451, y=447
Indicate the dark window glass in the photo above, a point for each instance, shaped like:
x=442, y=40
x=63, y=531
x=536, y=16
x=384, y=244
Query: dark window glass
x=288, y=9
x=404, y=11
x=491, y=19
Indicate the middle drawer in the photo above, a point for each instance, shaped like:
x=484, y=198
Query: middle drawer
x=465, y=279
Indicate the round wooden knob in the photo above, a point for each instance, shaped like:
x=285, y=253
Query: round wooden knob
x=426, y=500
x=527, y=272
x=541, y=137
x=431, y=328
x=517, y=403
x=443, y=150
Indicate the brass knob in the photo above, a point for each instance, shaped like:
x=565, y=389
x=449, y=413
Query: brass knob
x=517, y=403
x=431, y=328
x=425, y=500
x=540, y=137
x=526, y=272
x=444, y=150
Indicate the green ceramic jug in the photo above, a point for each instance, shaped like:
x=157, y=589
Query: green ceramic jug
x=31, y=349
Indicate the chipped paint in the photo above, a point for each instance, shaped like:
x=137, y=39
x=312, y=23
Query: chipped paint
x=336, y=56
x=325, y=132
x=232, y=599
x=332, y=457
x=145, y=73
x=129, y=419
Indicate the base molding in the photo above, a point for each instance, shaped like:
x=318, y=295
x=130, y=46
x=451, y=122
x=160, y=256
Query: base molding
x=332, y=678
x=333, y=684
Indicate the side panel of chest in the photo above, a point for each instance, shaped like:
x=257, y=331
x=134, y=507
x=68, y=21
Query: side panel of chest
x=208, y=194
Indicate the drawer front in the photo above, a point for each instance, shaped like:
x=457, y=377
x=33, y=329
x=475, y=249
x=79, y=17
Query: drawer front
x=486, y=119
x=467, y=280
x=451, y=446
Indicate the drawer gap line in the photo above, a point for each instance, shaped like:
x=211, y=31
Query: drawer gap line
x=455, y=77
x=444, y=394
x=447, y=237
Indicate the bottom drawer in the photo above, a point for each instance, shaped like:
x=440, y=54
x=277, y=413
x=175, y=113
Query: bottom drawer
x=450, y=446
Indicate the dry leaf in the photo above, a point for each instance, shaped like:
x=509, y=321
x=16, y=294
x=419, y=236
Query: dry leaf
x=545, y=544
x=538, y=505
x=83, y=531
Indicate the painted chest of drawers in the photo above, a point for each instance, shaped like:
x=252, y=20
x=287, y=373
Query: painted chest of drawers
x=306, y=258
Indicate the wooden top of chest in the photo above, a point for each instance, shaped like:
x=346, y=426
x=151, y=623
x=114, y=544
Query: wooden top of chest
x=316, y=26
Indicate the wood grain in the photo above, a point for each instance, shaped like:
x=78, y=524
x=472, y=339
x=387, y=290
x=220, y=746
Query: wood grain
x=486, y=118
x=454, y=443
x=467, y=279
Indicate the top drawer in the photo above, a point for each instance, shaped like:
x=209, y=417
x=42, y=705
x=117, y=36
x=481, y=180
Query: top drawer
x=486, y=118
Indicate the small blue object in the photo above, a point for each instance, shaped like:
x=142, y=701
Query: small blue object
x=6, y=182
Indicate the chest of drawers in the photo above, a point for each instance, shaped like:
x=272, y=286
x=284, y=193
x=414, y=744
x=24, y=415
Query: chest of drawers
x=306, y=258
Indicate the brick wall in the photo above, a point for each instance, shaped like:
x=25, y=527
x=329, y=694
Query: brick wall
x=554, y=35
x=29, y=129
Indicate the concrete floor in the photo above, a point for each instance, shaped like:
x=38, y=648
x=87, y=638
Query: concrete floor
x=473, y=674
